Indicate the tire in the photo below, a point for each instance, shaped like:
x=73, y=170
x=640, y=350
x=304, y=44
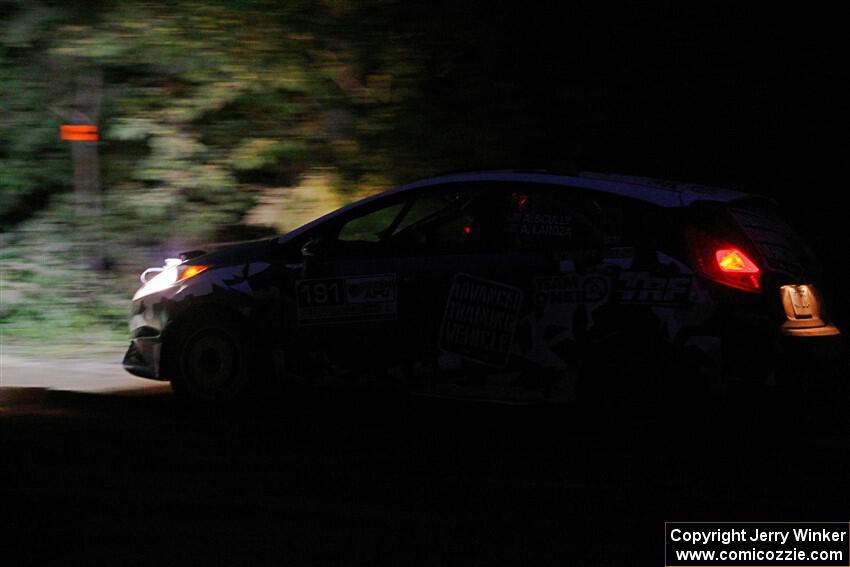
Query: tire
x=212, y=367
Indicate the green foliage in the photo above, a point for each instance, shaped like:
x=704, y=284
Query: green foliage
x=32, y=161
x=207, y=97
x=48, y=293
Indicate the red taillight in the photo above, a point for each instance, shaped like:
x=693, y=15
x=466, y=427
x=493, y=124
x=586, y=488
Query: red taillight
x=732, y=260
x=725, y=264
x=737, y=269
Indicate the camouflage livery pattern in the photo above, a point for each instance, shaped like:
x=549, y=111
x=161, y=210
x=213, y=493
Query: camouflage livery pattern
x=523, y=326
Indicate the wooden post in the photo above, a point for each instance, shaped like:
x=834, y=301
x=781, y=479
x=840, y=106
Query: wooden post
x=84, y=153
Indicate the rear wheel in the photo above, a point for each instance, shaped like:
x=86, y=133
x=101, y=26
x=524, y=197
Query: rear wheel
x=643, y=378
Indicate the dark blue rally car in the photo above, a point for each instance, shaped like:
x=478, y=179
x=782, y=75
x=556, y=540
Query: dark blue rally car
x=503, y=286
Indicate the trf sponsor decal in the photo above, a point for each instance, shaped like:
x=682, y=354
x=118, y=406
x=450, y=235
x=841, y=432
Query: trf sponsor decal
x=480, y=319
x=648, y=289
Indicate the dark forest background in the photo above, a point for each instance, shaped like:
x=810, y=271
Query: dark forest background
x=225, y=120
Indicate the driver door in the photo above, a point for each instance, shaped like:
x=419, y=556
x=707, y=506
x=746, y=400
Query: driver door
x=347, y=300
x=372, y=294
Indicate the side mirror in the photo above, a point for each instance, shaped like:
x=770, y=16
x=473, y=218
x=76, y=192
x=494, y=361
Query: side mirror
x=314, y=248
x=313, y=253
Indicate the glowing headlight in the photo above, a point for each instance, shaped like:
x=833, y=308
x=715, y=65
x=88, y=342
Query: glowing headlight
x=168, y=276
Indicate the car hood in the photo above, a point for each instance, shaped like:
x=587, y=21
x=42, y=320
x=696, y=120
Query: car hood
x=232, y=253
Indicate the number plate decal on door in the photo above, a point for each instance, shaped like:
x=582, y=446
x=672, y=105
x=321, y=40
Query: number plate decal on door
x=356, y=298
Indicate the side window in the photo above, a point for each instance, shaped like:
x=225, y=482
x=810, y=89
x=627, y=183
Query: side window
x=440, y=221
x=542, y=218
x=370, y=227
x=449, y=220
x=427, y=206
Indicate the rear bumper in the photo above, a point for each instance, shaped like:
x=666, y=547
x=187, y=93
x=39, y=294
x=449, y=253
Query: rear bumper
x=814, y=361
x=807, y=360
x=822, y=331
x=143, y=358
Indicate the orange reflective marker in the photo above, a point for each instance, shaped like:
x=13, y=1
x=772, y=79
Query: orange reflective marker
x=79, y=132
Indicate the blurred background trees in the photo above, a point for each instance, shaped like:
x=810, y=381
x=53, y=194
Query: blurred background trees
x=205, y=105
x=219, y=121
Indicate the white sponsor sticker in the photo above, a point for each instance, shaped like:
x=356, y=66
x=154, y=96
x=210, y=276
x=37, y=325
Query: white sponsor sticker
x=480, y=319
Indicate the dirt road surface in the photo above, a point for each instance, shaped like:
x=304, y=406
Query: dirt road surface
x=97, y=466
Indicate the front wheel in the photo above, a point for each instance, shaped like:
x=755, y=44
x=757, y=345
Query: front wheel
x=213, y=367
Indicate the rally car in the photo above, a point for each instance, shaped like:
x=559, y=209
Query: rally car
x=504, y=286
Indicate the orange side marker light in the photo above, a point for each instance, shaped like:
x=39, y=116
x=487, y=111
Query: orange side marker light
x=192, y=271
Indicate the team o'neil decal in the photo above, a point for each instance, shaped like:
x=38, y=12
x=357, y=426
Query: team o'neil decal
x=570, y=288
x=353, y=298
x=644, y=288
x=480, y=319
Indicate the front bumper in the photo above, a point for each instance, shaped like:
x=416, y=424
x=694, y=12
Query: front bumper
x=147, y=322
x=143, y=358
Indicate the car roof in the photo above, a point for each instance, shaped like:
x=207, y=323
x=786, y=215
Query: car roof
x=657, y=192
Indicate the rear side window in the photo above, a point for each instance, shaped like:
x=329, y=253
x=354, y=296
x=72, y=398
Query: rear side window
x=543, y=218
x=494, y=217
x=497, y=217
